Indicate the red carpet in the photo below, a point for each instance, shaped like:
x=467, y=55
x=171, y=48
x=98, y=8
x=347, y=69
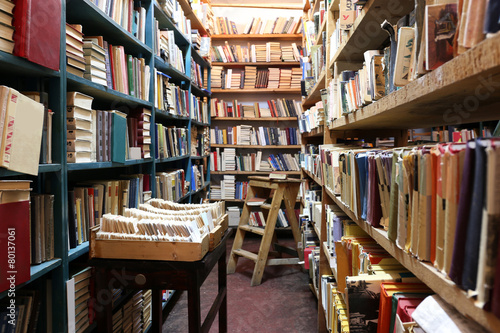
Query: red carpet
x=282, y=303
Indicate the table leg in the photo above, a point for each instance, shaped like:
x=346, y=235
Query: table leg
x=157, y=311
x=194, y=308
x=103, y=302
x=223, y=285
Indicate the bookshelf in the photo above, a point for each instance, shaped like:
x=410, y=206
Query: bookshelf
x=256, y=91
x=58, y=177
x=261, y=37
x=426, y=102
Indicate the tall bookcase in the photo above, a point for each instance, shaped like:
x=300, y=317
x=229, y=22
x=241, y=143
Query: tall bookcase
x=250, y=96
x=426, y=102
x=22, y=75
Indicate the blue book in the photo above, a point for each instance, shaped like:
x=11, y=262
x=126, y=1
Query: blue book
x=118, y=138
x=361, y=161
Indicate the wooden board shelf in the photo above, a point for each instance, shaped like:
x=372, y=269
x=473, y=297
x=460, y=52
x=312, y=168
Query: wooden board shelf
x=257, y=91
x=195, y=21
x=319, y=40
x=266, y=64
x=427, y=274
x=251, y=172
x=258, y=147
x=315, y=94
x=463, y=90
x=315, y=132
x=263, y=37
x=313, y=177
x=367, y=33
x=255, y=119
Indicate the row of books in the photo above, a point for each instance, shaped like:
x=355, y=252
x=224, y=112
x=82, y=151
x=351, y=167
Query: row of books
x=93, y=58
x=41, y=227
x=171, y=141
x=252, y=77
x=197, y=177
x=174, y=11
x=89, y=201
x=247, y=162
x=198, y=74
x=271, y=51
x=312, y=118
x=169, y=97
x=280, y=25
x=199, y=110
x=245, y=135
x=26, y=310
x=284, y=162
x=200, y=141
x=171, y=185
x=445, y=235
x=203, y=10
x=457, y=135
x=226, y=189
x=280, y=107
x=167, y=49
x=125, y=12
x=257, y=219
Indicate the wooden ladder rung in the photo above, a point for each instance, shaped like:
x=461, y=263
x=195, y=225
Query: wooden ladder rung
x=255, y=230
x=257, y=183
x=265, y=206
x=246, y=254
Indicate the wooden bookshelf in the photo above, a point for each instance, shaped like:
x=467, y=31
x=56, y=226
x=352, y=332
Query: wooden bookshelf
x=255, y=118
x=252, y=172
x=195, y=21
x=267, y=64
x=315, y=132
x=256, y=91
x=426, y=273
x=313, y=177
x=315, y=94
x=429, y=101
x=256, y=147
x=264, y=37
x=319, y=40
x=352, y=50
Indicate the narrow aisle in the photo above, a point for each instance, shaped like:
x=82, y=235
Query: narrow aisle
x=282, y=303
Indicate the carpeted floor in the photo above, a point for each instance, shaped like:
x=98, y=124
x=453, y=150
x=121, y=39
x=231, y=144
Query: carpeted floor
x=282, y=303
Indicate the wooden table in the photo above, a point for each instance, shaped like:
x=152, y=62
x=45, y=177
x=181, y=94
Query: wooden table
x=158, y=276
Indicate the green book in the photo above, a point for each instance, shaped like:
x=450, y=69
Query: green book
x=130, y=67
x=118, y=138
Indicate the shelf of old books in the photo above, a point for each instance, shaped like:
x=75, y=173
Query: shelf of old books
x=96, y=22
x=100, y=92
x=251, y=172
x=267, y=119
x=195, y=21
x=199, y=91
x=267, y=64
x=175, y=75
x=264, y=37
x=254, y=146
x=461, y=90
x=427, y=273
x=313, y=177
x=319, y=36
x=315, y=93
x=166, y=23
x=257, y=91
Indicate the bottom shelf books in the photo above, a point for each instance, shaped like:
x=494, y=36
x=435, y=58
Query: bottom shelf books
x=171, y=185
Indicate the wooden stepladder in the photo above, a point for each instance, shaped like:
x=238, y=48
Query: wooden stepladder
x=284, y=190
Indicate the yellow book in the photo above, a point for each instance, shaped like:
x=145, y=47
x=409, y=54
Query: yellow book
x=78, y=203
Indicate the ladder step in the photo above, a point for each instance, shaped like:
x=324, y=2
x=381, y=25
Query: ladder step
x=255, y=230
x=246, y=254
x=262, y=184
x=265, y=206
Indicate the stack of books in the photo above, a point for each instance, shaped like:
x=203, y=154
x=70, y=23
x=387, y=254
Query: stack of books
x=287, y=53
x=228, y=162
x=95, y=62
x=75, y=62
x=6, y=28
x=79, y=128
x=250, y=77
x=296, y=78
x=217, y=76
x=146, y=308
x=285, y=78
x=195, y=39
x=274, y=78
x=78, y=295
x=228, y=187
x=137, y=301
x=144, y=131
x=248, y=111
x=273, y=51
x=235, y=79
x=260, y=53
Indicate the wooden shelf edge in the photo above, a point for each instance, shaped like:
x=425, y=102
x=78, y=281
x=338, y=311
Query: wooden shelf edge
x=257, y=119
x=261, y=63
x=259, y=147
x=252, y=172
x=428, y=274
x=256, y=90
x=329, y=259
x=257, y=36
x=315, y=94
x=313, y=177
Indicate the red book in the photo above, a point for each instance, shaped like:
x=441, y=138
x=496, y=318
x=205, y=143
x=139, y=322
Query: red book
x=146, y=181
x=37, y=35
x=13, y=231
x=112, y=66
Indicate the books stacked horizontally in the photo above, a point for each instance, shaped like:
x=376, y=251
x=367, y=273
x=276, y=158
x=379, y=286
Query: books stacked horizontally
x=250, y=77
x=75, y=62
x=195, y=39
x=137, y=306
x=79, y=128
x=144, y=131
x=260, y=53
x=146, y=308
x=248, y=162
x=273, y=51
x=296, y=78
x=287, y=53
x=217, y=76
x=244, y=134
x=274, y=78
x=228, y=159
x=215, y=191
x=285, y=80
x=228, y=187
x=95, y=62
x=78, y=295
x=6, y=28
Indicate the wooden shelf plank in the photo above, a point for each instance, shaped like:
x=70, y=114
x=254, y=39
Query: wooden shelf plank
x=251, y=172
x=176, y=75
x=267, y=64
x=162, y=114
x=319, y=40
x=315, y=132
x=258, y=147
x=258, y=37
x=171, y=159
x=315, y=94
x=367, y=33
x=313, y=177
x=329, y=259
x=256, y=119
x=195, y=21
x=428, y=274
x=104, y=165
x=463, y=90
x=257, y=90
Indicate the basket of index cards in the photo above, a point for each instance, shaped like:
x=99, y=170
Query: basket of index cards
x=160, y=230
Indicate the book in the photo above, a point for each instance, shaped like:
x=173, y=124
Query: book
x=440, y=23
